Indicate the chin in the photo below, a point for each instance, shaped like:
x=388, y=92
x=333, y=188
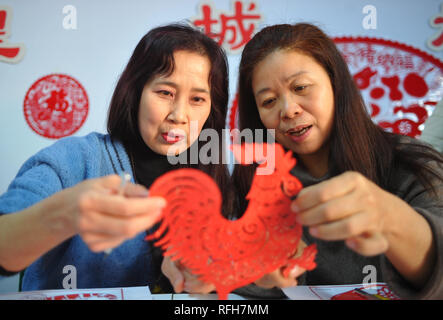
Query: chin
x=174, y=150
x=302, y=150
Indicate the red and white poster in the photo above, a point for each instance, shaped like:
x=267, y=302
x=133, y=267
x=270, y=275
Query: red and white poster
x=400, y=84
x=9, y=52
x=56, y=106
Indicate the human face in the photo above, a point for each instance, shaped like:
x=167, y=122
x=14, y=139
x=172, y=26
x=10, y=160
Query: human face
x=294, y=96
x=170, y=104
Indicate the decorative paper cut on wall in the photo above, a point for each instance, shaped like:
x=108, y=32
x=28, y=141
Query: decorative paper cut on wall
x=435, y=42
x=226, y=253
x=401, y=85
x=56, y=106
x=9, y=52
x=232, y=30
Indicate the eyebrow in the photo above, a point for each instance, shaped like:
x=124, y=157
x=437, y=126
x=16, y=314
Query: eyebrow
x=174, y=85
x=295, y=75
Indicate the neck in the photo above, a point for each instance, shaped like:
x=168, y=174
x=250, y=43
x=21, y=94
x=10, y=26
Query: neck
x=317, y=163
x=147, y=164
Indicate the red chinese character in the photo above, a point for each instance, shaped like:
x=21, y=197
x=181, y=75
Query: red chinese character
x=8, y=52
x=232, y=24
x=436, y=42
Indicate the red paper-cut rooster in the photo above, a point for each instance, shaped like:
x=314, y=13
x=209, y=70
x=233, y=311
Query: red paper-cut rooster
x=232, y=253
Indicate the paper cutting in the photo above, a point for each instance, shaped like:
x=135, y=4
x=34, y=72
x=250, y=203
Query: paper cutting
x=227, y=253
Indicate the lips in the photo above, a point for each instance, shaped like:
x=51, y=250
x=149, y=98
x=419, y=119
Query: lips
x=172, y=137
x=298, y=131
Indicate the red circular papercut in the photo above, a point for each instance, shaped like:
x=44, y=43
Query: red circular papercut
x=56, y=106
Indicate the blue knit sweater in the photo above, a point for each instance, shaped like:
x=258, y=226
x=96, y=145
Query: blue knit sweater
x=62, y=165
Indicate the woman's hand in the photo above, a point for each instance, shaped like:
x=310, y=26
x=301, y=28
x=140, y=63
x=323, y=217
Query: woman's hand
x=183, y=280
x=348, y=207
x=104, y=217
x=95, y=209
x=277, y=279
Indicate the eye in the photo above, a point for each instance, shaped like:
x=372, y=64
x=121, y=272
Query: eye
x=165, y=93
x=300, y=88
x=198, y=99
x=267, y=102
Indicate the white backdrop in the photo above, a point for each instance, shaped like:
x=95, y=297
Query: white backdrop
x=105, y=33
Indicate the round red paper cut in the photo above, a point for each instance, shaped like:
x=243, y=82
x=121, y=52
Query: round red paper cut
x=415, y=85
x=56, y=106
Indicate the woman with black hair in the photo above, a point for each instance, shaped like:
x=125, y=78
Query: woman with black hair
x=370, y=198
x=65, y=206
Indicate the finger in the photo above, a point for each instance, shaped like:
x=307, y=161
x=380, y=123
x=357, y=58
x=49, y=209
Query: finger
x=114, y=183
x=296, y=272
x=174, y=274
x=194, y=285
x=325, y=191
x=370, y=244
x=276, y=279
x=111, y=182
x=99, y=243
x=265, y=282
x=117, y=226
x=269, y=282
x=335, y=209
x=135, y=190
x=118, y=205
x=348, y=227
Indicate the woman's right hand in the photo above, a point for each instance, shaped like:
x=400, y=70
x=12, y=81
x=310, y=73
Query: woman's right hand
x=104, y=217
x=277, y=279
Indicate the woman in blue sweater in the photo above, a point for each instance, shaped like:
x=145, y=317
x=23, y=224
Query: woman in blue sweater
x=64, y=208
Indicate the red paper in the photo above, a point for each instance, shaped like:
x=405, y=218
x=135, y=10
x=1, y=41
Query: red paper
x=231, y=254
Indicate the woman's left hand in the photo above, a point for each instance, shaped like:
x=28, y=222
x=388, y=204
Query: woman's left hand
x=348, y=207
x=182, y=279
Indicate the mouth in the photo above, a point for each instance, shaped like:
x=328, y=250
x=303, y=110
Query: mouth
x=172, y=137
x=298, y=131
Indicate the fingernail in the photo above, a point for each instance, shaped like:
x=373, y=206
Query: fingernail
x=313, y=231
x=143, y=193
x=158, y=213
x=295, y=272
x=177, y=285
x=187, y=287
x=162, y=203
x=294, y=207
x=351, y=244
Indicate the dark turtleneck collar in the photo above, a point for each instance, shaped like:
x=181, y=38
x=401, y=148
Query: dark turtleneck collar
x=147, y=164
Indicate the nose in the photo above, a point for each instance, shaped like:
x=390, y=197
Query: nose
x=290, y=108
x=178, y=113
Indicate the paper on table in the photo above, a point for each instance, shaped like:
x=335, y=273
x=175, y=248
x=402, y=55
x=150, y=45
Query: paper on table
x=339, y=292
x=129, y=293
x=209, y=296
